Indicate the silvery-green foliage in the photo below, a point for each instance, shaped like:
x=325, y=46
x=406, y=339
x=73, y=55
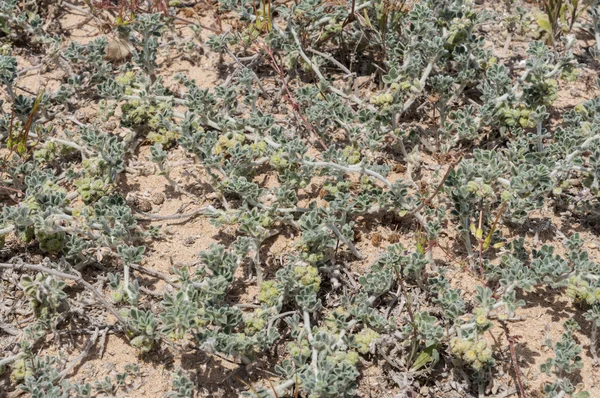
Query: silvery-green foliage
x=428, y=59
x=143, y=326
x=46, y=294
x=8, y=69
x=594, y=27
x=567, y=360
x=449, y=299
x=426, y=328
x=182, y=386
x=43, y=378
x=21, y=21
x=88, y=65
x=148, y=28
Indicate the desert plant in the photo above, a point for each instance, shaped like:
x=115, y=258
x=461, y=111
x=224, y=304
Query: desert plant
x=451, y=150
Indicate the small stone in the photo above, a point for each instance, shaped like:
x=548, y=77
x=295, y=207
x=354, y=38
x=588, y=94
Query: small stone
x=118, y=50
x=157, y=198
x=131, y=199
x=189, y=241
x=144, y=205
x=168, y=230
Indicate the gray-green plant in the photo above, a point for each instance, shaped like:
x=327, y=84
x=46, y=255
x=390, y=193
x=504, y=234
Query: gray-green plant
x=306, y=127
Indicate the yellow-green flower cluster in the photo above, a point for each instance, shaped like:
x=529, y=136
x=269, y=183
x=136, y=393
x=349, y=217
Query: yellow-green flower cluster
x=249, y=35
x=519, y=116
x=335, y=188
x=92, y=188
x=581, y=291
x=476, y=354
x=458, y=29
x=570, y=74
x=330, y=320
x=136, y=112
x=401, y=86
x=51, y=242
x=143, y=113
x=258, y=148
x=581, y=109
x=46, y=153
x=146, y=114
x=550, y=91
x=486, y=64
x=255, y=322
x=481, y=189
x=20, y=370
x=311, y=258
x=481, y=318
x=125, y=79
x=308, y=276
x=31, y=203
x=299, y=350
x=224, y=144
x=5, y=49
x=349, y=357
x=382, y=100
x=142, y=343
x=117, y=296
x=269, y=293
x=264, y=219
x=163, y=137
x=352, y=154
x=364, y=339
x=277, y=161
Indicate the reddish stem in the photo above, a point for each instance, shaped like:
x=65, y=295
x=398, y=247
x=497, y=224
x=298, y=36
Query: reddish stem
x=279, y=70
x=513, y=355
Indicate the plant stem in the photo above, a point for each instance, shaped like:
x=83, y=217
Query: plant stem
x=76, y=278
x=468, y=243
x=126, y=279
x=90, y=343
x=540, y=144
x=350, y=169
x=256, y=261
x=593, y=342
x=7, y=230
x=513, y=357
x=341, y=237
x=11, y=359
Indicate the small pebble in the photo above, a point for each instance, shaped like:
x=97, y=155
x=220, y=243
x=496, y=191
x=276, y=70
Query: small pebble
x=189, y=241
x=118, y=50
x=157, y=198
x=144, y=205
